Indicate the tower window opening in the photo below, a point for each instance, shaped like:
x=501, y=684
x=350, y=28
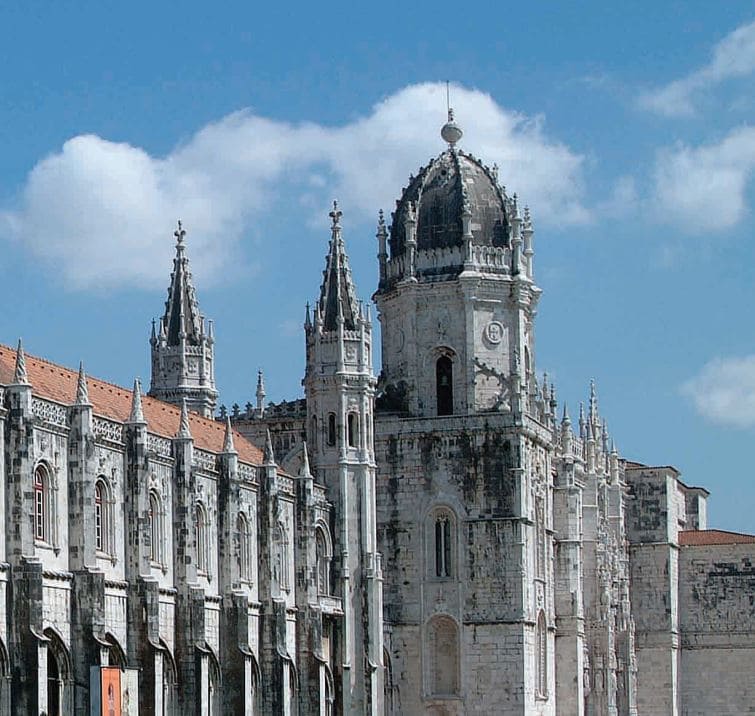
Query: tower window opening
x=352, y=429
x=41, y=488
x=443, y=546
x=331, y=429
x=444, y=385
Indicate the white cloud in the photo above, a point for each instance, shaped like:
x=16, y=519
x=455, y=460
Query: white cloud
x=704, y=188
x=102, y=212
x=724, y=391
x=733, y=57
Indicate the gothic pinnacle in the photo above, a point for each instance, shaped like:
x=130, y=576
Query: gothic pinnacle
x=184, y=431
x=304, y=470
x=137, y=414
x=82, y=391
x=228, y=446
x=19, y=375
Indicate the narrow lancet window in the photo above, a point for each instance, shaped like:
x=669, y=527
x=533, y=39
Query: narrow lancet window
x=444, y=385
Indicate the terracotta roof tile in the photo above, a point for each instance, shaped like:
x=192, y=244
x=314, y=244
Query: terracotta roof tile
x=698, y=538
x=56, y=383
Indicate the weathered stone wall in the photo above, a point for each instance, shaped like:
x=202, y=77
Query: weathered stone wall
x=717, y=623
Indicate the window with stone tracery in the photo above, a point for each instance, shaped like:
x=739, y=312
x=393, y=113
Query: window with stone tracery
x=443, y=545
x=245, y=547
x=155, y=528
x=45, y=513
x=202, y=538
x=103, y=523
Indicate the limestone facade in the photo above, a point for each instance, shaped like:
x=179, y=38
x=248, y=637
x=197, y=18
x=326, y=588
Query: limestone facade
x=439, y=538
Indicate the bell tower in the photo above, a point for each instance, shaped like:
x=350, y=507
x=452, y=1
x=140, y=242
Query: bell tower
x=456, y=297
x=183, y=355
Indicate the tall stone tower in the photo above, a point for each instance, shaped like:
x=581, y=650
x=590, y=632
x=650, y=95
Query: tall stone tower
x=464, y=444
x=183, y=356
x=340, y=388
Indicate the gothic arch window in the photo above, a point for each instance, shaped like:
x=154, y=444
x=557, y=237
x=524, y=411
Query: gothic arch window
x=155, y=528
x=444, y=389
x=442, y=646
x=201, y=528
x=245, y=547
x=169, y=683
x=331, y=429
x=58, y=675
x=541, y=656
x=329, y=692
x=540, y=543
x=280, y=558
x=103, y=517
x=44, y=505
x=352, y=425
x=322, y=549
x=387, y=684
x=441, y=530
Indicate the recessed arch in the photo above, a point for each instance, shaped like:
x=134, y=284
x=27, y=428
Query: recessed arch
x=442, y=675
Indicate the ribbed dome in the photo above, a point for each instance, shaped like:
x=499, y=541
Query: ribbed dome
x=438, y=196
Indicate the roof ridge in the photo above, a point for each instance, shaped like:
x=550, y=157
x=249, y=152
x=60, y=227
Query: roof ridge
x=726, y=532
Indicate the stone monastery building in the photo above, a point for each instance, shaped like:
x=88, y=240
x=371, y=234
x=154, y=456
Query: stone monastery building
x=440, y=538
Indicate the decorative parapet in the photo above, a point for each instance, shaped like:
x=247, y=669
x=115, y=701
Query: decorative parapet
x=206, y=461
x=159, y=445
x=108, y=430
x=247, y=473
x=49, y=412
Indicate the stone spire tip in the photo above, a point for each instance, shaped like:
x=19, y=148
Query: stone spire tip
x=137, y=414
x=82, y=390
x=20, y=376
x=184, y=431
x=228, y=446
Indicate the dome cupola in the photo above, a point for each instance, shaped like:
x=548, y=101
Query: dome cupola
x=453, y=204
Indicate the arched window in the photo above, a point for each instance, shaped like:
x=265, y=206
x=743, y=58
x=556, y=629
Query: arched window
x=280, y=558
x=58, y=675
x=541, y=656
x=155, y=528
x=329, y=694
x=352, y=423
x=41, y=506
x=200, y=527
x=169, y=685
x=331, y=429
x=245, y=547
x=443, y=656
x=103, y=513
x=442, y=546
x=444, y=374
x=540, y=544
x=323, y=562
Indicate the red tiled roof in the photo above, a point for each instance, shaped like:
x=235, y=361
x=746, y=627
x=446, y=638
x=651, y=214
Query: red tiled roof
x=695, y=538
x=56, y=383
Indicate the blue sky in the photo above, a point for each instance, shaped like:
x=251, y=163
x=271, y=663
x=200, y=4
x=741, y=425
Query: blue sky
x=628, y=128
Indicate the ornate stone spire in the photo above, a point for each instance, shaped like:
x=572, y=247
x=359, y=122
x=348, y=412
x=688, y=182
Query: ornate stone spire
x=82, y=391
x=337, y=294
x=228, y=446
x=137, y=414
x=184, y=431
x=183, y=359
x=19, y=375
x=304, y=470
x=182, y=317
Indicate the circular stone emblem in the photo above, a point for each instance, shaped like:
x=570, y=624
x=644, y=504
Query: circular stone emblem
x=494, y=332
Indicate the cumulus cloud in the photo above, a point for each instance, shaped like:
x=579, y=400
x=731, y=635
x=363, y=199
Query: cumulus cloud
x=704, y=188
x=724, y=391
x=102, y=211
x=733, y=56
